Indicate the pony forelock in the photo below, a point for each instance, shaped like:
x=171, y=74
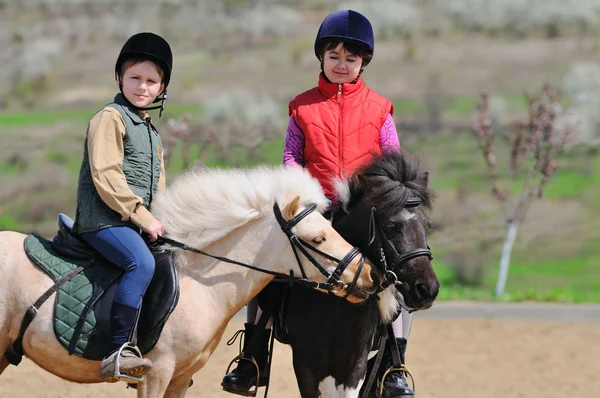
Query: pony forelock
x=205, y=204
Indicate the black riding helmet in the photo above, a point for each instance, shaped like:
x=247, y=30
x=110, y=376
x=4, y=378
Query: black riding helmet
x=151, y=47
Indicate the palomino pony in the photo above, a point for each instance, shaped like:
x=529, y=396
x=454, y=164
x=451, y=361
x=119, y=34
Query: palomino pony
x=381, y=211
x=224, y=212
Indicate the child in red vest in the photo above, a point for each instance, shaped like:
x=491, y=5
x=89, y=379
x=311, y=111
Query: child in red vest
x=334, y=129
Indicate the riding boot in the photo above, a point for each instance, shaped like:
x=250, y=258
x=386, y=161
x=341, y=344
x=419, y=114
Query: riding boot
x=124, y=360
x=394, y=385
x=243, y=377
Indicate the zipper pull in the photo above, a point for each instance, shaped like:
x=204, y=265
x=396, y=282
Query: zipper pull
x=339, y=93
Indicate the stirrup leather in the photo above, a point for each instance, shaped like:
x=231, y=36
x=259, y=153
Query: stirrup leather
x=404, y=369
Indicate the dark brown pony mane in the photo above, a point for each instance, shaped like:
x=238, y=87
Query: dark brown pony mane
x=388, y=182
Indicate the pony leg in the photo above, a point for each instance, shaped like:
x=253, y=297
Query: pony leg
x=307, y=382
x=178, y=387
x=3, y=364
x=155, y=384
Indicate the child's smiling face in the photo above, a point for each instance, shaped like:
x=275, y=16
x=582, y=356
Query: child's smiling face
x=142, y=83
x=340, y=66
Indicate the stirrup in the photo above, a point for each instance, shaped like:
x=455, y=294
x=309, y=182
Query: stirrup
x=404, y=369
x=118, y=376
x=249, y=393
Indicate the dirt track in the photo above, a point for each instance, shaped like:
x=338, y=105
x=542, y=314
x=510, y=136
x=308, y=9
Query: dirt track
x=450, y=358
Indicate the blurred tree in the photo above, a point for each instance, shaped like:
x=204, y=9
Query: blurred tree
x=242, y=119
x=582, y=84
x=534, y=146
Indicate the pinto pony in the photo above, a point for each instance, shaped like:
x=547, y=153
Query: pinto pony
x=381, y=210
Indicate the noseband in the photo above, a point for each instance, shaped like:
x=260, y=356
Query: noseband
x=304, y=247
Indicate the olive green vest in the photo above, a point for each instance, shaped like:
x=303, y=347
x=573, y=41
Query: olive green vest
x=141, y=166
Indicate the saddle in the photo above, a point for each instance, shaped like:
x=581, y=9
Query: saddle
x=273, y=301
x=83, y=303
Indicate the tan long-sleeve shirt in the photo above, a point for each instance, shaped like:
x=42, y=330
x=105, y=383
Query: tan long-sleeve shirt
x=105, y=149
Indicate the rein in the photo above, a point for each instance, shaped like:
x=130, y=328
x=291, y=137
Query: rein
x=333, y=283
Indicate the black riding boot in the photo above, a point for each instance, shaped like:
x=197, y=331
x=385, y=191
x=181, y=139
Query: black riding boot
x=394, y=385
x=243, y=378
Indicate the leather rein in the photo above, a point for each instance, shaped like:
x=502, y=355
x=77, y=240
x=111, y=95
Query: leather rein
x=333, y=284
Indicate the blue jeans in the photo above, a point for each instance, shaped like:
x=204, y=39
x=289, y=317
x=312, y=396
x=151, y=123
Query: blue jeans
x=126, y=249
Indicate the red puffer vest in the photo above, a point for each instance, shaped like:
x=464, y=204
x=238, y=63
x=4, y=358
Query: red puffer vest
x=341, y=124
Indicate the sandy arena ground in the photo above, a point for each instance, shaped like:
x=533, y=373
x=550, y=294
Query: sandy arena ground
x=481, y=358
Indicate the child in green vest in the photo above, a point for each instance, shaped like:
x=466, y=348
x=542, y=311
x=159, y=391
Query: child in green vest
x=121, y=172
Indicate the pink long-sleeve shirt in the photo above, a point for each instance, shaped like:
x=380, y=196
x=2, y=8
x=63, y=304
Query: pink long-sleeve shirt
x=293, y=151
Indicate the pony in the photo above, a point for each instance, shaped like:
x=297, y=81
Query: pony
x=380, y=210
x=229, y=212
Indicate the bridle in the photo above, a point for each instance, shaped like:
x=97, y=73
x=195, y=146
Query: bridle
x=387, y=255
x=299, y=244
x=380, y=249
x=334, y=284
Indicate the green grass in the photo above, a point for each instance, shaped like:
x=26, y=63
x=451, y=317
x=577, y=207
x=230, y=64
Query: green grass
x=8, y=223
x=8, y=169
x=570, y=276
x=462, y=105
x=566, y=184
x=459, y=106
x=408, y=106
x=573, y=280
x=50, y=117
x=45, y=117
x=557, y=295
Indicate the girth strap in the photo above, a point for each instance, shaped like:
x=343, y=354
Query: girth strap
x=14, y=352
x=378, y=358
x=387, y=338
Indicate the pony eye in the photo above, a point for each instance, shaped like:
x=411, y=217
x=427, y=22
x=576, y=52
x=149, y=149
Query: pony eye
x=318, y=240
x=392, y=226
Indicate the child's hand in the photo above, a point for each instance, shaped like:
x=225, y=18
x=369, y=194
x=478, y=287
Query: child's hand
x=155, y=230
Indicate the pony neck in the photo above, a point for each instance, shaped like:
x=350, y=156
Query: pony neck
x=229, y=287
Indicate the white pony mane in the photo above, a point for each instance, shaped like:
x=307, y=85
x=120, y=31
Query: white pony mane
x=205, y=204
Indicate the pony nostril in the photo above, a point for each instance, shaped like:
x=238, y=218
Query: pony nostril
x=422, y=291
x=375, y=278
x=435, y=289
x=427, y=291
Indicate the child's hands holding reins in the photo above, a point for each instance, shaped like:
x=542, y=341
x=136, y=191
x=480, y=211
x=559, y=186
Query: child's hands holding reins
x=155, y=230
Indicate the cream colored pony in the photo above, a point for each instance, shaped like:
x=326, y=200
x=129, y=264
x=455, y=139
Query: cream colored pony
x=224, y=212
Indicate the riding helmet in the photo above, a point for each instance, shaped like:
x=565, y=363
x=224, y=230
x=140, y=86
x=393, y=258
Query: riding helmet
x=148, y=46
x=348, y=26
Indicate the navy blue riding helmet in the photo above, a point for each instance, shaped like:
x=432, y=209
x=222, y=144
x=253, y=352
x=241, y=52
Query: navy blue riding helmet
x=347, y=26
x=151, y=47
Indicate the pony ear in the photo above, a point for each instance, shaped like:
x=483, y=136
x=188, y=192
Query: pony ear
x=291, y=208
x=425, y=178
x=363, y=183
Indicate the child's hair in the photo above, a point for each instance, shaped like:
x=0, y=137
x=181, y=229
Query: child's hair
x=138, y=60
x=352, y=48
